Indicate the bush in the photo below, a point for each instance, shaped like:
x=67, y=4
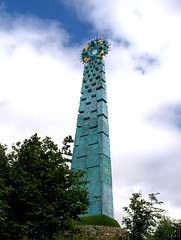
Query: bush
x=101, y=220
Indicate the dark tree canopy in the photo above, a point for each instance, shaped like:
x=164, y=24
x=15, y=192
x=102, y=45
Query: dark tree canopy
x=142, y=216
x=168, y=229
x=39, y=194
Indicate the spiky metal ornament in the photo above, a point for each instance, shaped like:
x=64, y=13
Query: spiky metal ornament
x=97, y=48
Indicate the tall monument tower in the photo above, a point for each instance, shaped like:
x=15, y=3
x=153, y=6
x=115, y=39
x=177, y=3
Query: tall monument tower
x=92, y=146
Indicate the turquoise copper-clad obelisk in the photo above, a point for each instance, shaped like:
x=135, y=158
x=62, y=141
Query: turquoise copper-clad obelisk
x=92, y=146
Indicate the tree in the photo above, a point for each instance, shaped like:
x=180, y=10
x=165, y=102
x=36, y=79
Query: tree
x=142, y=216
x=3, y=165
x=4, y=191
x=168, y=229
x=41, y=195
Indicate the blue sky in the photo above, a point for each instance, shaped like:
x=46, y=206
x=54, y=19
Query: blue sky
x=41, y=77
x=52, y=10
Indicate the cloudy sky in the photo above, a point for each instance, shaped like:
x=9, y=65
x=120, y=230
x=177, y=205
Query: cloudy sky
x=41, y=78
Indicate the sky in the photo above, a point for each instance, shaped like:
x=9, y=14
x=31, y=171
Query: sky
x=41, y=77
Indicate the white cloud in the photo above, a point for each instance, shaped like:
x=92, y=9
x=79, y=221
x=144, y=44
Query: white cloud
x=38, y=78
x=145, y=147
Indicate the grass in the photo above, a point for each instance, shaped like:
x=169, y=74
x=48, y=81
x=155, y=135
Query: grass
x=101, y=220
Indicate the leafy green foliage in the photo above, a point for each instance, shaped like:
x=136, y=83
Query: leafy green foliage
x=5, y=189
x=142, y=215
x=100, y=219
x=4, y=168
x=168, y=229
x=39, y=194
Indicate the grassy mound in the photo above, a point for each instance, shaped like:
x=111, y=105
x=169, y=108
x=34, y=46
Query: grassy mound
x=101, y=220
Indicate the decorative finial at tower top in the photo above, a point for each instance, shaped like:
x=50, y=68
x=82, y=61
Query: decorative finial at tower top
x=97, y=48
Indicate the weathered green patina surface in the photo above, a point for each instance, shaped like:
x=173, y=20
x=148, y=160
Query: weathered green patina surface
x=92, y=146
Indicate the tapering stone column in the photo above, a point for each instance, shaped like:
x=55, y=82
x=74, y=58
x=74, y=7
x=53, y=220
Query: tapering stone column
x=92, y=146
